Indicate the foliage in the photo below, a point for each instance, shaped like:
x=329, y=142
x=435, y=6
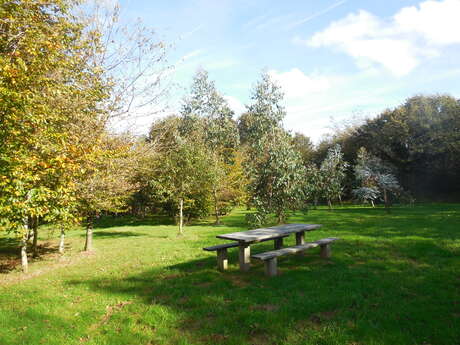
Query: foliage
x=420, y=139
x=264, y=115
x=181, y=174
x=205, y=112
x=304, y=146
x=332, y=173
x=313, y=186
x=277, y=179
x=375, y=178
x=42, y=49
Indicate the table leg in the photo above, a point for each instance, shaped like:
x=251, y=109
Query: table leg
x=300, y=237
x=279, y=243
x=222, y=259
x=245, y=257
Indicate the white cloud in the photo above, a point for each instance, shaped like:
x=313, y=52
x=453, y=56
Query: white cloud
x=235, y=105
x=437, y=21
x=296, y=84
x=400, y=43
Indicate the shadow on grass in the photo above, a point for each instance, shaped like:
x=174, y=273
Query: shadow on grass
x=363, y=299
x=114, y=234
x=9, y=253
x=126, y=220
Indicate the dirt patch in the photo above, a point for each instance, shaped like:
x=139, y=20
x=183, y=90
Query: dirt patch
x=319, y=318
x=264, y=307
x=54, y=261
x=110, y=310
x=237, y=281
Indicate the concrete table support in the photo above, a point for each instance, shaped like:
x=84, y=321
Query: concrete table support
x=222, y=259
x=325, y=251
x=271, y=267
x=279, y=243
x=300, y=238
x=245, y=256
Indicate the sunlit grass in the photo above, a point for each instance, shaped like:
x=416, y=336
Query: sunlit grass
x=393, y=279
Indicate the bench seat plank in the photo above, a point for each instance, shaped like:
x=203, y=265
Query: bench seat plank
x=294, y=249
x=285, y=251
x=221, y=246
x=270, y=258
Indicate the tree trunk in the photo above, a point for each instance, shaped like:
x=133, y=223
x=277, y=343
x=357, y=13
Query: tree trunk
x=89, y=234
x=372, y=203
x=340, y=200
x=280, y=218
x=181, y=216
x=35, y=240
x=61, y=241
x=216, y=207
x=315, y=203
x=385, y=198
x=24, y=261
x=329, y=203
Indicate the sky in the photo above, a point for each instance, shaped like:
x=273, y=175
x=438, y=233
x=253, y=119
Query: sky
x=337, y=61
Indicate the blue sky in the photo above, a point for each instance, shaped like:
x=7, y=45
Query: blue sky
x=337, y=60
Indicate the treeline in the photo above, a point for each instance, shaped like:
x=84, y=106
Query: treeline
x=420, y=139
x=62, y=83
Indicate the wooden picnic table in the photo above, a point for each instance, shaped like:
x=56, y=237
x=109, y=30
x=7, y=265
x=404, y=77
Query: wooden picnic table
x=246, y=238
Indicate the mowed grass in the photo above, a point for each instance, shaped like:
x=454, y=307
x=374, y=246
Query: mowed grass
x=393, y=279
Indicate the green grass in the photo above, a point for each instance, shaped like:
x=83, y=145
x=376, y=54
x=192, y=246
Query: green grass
x=392, y=279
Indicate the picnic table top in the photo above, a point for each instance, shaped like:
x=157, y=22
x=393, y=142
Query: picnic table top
x=268, y=233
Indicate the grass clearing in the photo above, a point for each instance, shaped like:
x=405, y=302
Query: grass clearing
x=392, y=279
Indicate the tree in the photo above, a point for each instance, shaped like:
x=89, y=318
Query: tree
x=375, y=178
x=277, y=179
x=313, y=187
x=332, y=172
x=205, y=111
x=273, y=166
x=47, y=87
x=106, y=184
x=264, y=115
x=181, y=177
x=131, y=57
x=420, y=139
x=304, y=146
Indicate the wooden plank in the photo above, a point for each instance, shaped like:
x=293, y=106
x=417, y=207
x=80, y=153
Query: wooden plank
x=258, y=235
x=285, y=251
x=221, y=246
x=327, y=240
x=235, y=244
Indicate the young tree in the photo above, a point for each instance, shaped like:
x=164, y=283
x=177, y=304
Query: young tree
x=332, y=172
x=375, y=178
x=277, y=179
x=264, y=115
x=205, y=111
x=181, y=177
x=313, y=187
x=106, y=184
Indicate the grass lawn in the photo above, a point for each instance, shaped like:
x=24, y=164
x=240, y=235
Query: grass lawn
x=392, y=279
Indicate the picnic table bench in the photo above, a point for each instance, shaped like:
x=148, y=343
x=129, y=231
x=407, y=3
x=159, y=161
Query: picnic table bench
x=244, y=239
